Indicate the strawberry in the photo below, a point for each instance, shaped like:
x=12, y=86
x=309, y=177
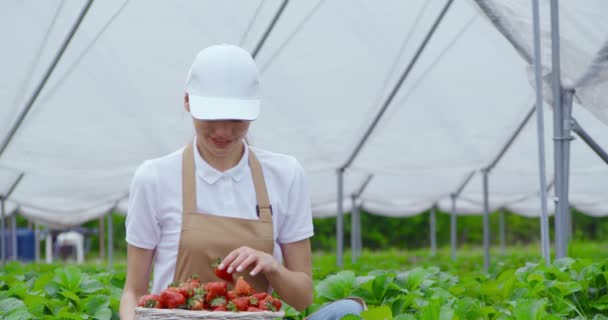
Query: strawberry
x=215, y=289
x=222, y=274
x=196, y=303
x=266, y=304
x=220, y=308
x=253, y=309
x=218, y=302
x=260, y=295
x=242, y=288
x=149, y=301
x=171, y=298
x=238, y=304
x=276, y=303
x=231, y=295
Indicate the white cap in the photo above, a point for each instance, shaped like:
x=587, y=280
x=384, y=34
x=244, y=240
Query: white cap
x=223, y=84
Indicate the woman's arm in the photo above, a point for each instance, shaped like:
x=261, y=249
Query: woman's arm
x=139, y=263
x=292, y=281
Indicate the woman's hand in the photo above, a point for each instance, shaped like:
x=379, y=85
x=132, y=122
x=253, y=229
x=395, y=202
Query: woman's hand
x=244, y=257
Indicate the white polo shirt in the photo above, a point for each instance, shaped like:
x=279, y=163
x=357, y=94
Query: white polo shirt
x=155, y=203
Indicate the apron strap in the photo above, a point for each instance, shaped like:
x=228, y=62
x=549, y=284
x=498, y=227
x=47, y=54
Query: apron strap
x=264, y=209
x=188, y=180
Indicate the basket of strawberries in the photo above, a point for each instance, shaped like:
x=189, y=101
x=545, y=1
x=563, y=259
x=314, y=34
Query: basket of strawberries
x=212, y=300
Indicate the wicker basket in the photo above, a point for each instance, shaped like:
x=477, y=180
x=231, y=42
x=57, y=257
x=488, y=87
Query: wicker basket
x=178, y=314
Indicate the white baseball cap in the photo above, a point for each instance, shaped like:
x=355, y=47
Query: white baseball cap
x=223, y=84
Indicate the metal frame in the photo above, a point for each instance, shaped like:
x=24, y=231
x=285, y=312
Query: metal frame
x=576, y=127
x=502, y=233
x=453, y=222
x=262, y=41
x=544, y=217
x=355, y=232
x=562, y=106
x=30, y=102
x=370, y=129
x=486, y=221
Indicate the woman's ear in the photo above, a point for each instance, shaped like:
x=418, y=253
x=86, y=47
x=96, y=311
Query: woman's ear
x=186, y=102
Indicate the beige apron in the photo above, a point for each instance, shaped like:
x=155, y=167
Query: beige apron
x=205, y=238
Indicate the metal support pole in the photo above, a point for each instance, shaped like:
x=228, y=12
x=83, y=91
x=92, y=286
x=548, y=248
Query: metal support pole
x=258, y=47
x=540, y=127
x=511, y=140
x=14, y=236
x=576, y=127
x=354, y=216
x=110, y=241
x=453, y=228
x=30, y=102
x=102, y=239
x=433, y=231
x=340, y=221
x=486, y=223
x=503, y=240
x=560, y=138
x=2, y=228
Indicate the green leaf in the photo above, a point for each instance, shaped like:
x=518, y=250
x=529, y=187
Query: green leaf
x=95, y=303
x=10, y=304
x=103, y=314
x=337, y=286
x=381, y=284
x=413, y=278
x=377, y=313
x=529, y=309
x=18, y=314
x=69, y=278
x=91, y=286
x=70, y=296
x=350, y=317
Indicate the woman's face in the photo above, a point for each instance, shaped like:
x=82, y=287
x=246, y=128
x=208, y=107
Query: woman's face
x=221, y=138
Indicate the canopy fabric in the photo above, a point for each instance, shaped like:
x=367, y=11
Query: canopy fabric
x=116, y=99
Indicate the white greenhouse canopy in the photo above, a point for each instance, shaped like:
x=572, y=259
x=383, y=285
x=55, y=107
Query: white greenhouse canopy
x=115, y=99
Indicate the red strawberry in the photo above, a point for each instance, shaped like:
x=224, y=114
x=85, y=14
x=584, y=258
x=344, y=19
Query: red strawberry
x=277, y=303
x=187, y=288
x=215, y=289
x=253, y=309
x=222, y=274
x=238, y=304
x=260, y=295
x=220, y=308
x=266, y=304
x=242, y=288
x=231, y=295
x=149, y=301
x=172, y=298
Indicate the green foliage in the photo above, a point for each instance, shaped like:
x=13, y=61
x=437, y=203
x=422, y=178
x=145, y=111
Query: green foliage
x=53, y=292
x=412, y=232
x=566, y=289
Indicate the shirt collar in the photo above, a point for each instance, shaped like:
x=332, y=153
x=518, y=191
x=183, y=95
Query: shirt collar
x=211, y=175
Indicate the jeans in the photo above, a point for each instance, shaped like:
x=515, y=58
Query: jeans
x=337, y=310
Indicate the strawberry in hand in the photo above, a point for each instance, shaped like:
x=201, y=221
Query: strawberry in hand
x=222, y=274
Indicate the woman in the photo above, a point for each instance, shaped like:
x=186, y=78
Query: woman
x=218, y=197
